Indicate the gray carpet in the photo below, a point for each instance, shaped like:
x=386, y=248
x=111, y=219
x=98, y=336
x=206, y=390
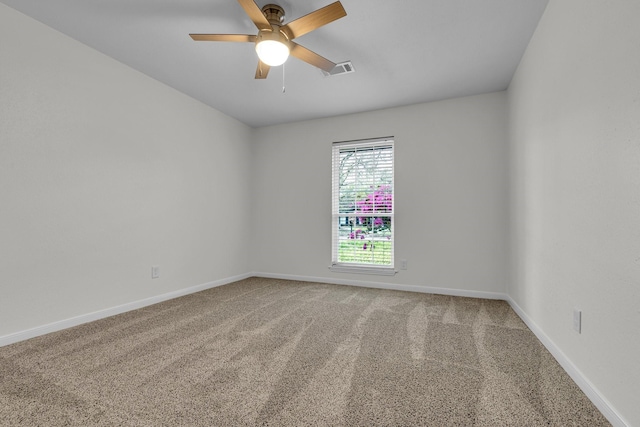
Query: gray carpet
x=273, y=352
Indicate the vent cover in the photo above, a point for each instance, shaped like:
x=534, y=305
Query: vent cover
x=341, y=68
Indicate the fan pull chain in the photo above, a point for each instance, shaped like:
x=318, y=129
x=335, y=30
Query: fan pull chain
x=283, y=87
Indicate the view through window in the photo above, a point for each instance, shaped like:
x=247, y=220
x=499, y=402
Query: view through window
x=363, y=203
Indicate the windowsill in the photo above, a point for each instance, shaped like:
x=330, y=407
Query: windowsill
x=379, y=271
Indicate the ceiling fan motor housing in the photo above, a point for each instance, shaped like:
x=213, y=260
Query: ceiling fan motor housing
x=275, y=35
x=274, y=14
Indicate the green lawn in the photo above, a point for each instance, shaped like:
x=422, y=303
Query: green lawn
x=377, y=252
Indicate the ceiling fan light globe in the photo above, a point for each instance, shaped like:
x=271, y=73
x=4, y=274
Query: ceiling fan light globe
x=272, y=52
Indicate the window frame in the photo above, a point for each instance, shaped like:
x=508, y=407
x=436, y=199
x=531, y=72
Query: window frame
x=354, y=267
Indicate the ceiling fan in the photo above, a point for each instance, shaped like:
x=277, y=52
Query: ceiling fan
x=274, y=41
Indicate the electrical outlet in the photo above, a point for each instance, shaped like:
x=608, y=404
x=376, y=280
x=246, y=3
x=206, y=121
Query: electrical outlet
x=403, y=264
x=155, y=272
x=577, y=320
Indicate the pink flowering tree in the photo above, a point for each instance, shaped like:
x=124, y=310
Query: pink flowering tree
x=369, y=212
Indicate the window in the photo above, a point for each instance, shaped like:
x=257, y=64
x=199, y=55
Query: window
x=363, y=206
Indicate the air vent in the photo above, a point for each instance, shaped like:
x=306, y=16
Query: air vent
x=341, y=68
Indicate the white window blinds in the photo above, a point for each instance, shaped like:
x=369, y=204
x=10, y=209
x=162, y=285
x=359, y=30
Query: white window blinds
x=363, y=204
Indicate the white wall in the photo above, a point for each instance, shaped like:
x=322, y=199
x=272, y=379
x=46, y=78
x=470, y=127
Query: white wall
x=103, y=173
x=451, y=193
x=575, y=133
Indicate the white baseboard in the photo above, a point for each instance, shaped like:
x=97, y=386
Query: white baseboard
x=585, y=385
x=101, y=314
x=391, y=286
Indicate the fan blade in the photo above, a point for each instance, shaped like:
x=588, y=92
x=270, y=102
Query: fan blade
x=314, y=20
x=255, y=14
x=262, y=70
x=223, y=37
x=311, y=57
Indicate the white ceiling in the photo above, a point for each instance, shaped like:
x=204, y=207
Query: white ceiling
x=404, y=52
